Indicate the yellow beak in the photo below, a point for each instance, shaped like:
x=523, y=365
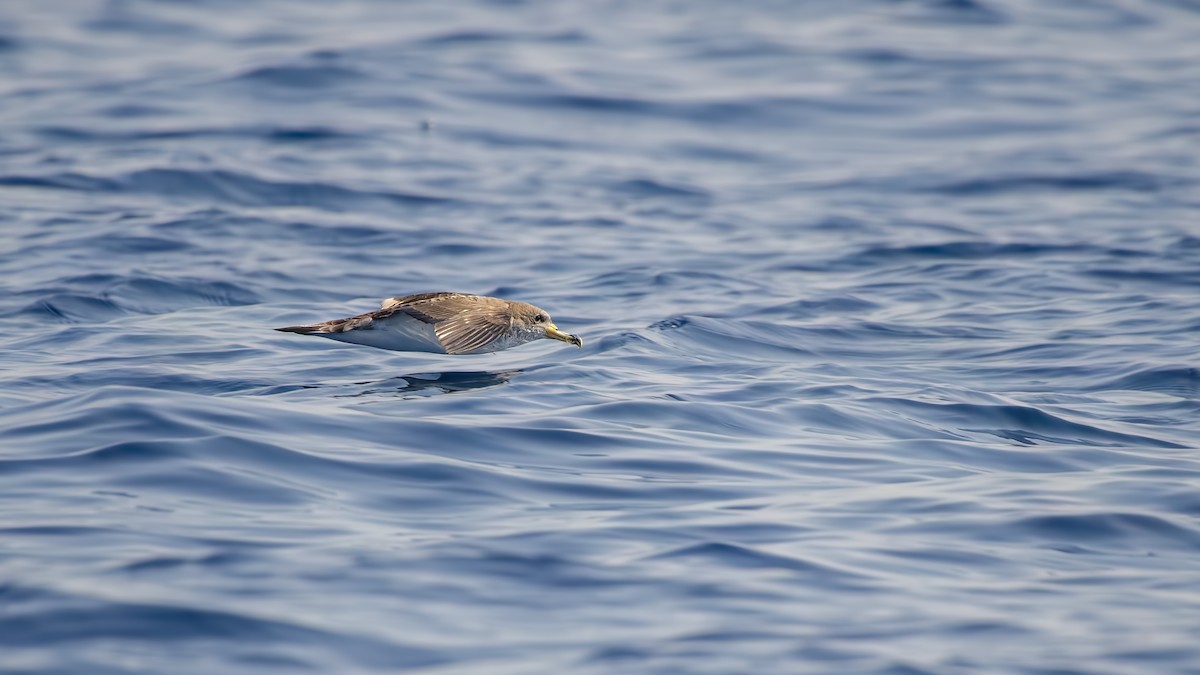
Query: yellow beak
x=554, y=333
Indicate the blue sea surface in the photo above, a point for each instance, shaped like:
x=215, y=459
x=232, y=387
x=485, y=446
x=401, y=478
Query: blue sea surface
x=891, y=313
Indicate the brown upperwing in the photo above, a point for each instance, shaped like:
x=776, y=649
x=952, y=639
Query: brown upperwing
x=463, y=323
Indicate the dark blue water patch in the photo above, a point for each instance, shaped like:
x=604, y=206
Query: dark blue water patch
x=976, y=250
x=66, y=181
x=63, y=619
x=71, y=307
x=123, y=111
x=477, y=37
x=154, y=296
x=969, y=12
x=138, y=245
x=168, y=563
x=232, y=469
x=51, y=423
x=747, y=340
x=577, y=102
x=1025, y=424
x=648, y=189
x=308, y=134
x=951, y=561
x=456, y=249
x=305, y=76
x=637, y=281
x=514, y=138
x=104, y=298
x=246, y=190
x=200, y=485
x=807, y=308
x=731, y=49
x=719, y=153
x=118, y=19
x=228, y=187
x=1132, y=181
x=623, y=341
x=764, y=111
x=1127, y=530
x=546, y=571
x=1150, y=276
x=1110, y=536
x=1181, y=382
x=566, y=222
x=280, y=134
x=218, y=224
x=740, y=557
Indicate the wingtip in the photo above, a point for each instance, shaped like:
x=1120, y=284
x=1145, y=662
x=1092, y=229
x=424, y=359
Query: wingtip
x=302, y=330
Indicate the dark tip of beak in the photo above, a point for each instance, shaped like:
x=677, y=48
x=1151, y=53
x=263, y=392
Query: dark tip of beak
x=577, y=341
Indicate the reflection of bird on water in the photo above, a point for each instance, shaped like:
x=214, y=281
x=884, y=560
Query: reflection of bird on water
x=426, y=384
x=443, y=323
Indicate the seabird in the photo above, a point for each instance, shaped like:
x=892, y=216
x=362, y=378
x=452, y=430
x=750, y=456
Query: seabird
x=443, y=323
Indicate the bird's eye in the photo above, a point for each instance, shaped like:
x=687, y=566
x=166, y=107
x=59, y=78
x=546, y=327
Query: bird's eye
x=540, y=318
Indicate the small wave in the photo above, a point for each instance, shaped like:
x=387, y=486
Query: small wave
x=150, y=295
x=302, y=76
x=73, y=308
x=638, y=280
x=726, y=555
x=228, y=187
x=1133, y=181
x=1133, y=530
x=748, y=339
x=62, y=181
x=962, y=11
x=979, y=250
x=719, y=153
x=803, y=309
x=474, y=37
x=298, y=134
x=646, y=188
x=126, y=244
x=1023, y=424
x=63, y=619
x=770, y=111
x=1181, y=382
x=102, y=299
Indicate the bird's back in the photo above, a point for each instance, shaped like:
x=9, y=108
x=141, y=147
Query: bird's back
x=422, y=322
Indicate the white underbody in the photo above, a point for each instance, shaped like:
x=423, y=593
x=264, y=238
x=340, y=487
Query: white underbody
x=403, y=333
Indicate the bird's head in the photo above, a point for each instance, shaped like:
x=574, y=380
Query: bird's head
x=536, y=323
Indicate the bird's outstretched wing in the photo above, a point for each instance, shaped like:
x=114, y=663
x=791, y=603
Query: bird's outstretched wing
x=464, y=323
x=453, y=323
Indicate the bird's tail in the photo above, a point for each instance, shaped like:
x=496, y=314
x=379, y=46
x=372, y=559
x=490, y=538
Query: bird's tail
x=335, y=326
x=303, y=330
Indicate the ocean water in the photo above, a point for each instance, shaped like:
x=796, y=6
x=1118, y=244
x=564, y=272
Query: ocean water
x=891, y=311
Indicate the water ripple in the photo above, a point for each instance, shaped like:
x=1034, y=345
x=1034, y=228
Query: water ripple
x=889, y=315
